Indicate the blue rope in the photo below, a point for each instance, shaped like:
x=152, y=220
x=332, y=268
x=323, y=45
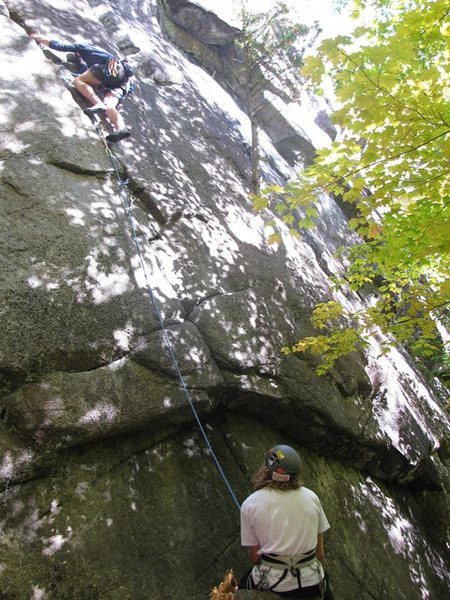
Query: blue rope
x=154, y=303
x=152, y=298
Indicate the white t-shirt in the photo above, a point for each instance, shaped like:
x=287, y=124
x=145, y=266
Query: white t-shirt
x=283, y=522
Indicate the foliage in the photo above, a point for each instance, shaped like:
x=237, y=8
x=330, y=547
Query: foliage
x=271, y=49
x=391, y=162
x=330, y=346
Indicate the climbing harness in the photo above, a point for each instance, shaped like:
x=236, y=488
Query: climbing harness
x=122, y=92
x=294, y=564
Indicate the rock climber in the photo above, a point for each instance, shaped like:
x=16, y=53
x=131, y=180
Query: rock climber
x=282, y=526
x=105, y=73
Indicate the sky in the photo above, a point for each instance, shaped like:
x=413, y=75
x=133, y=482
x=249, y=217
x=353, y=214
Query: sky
x=308, y=11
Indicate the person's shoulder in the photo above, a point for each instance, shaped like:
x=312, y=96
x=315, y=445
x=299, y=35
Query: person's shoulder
x=247, y=503
x=255, y=497
x=307, y=493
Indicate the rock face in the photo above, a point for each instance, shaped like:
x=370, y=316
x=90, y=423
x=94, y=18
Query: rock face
x=202, y=24
x=109, y=489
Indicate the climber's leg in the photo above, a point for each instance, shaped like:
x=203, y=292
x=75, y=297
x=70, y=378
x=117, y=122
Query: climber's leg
x=85, y=84
x=120, y=132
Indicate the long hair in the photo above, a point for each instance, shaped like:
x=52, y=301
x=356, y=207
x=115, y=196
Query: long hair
x=263, y=478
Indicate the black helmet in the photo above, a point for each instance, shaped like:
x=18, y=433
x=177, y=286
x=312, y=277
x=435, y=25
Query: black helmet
x=284, y=462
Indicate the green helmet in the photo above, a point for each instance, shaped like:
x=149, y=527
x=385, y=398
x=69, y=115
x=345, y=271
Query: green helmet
x=284, y=462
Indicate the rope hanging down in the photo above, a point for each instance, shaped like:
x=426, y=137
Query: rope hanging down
x=126, y=199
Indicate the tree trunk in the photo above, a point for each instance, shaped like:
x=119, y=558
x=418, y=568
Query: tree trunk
x=256, y=184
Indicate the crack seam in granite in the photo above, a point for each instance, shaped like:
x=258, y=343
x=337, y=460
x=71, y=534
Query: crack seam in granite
x=358, y=580
x=77, y=169
x=215, y=295
x=230, y=543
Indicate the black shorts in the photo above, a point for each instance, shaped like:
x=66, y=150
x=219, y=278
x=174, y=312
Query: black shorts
x=101, y=73
x=312, y=592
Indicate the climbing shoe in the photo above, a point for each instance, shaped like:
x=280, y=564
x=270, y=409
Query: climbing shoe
x=118, y=135
x=92, y=110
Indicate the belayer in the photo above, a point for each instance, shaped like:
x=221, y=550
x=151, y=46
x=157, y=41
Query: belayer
x=104, y=72
x=282, y=526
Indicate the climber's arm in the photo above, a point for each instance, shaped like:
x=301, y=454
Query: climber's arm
x=61, y=47
x=253, y=554
x=55, y=45
x=40, y=39
x=320, y=552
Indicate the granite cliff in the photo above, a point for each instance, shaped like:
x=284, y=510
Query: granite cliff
x=108, y=489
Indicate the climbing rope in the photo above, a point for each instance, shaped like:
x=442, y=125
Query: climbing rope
x=127, y=199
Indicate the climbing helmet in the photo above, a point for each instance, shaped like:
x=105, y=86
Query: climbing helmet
x=283, y=461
